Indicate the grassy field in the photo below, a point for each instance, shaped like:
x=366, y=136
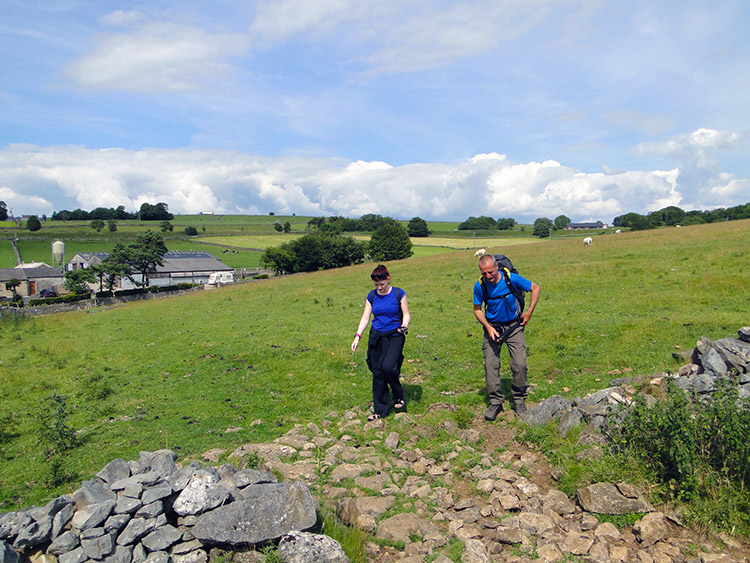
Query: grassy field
x=246, y=236
x=177, y=372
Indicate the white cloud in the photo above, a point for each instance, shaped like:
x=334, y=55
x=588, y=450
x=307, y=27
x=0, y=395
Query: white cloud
x=280, y=20
x=697, y=155
x=700, y=147
x=156, y=58
x=42, y=180
x=23, y=204
x=401, y=37
x=122, y=17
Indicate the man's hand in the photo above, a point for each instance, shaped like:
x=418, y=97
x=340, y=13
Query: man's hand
x=494, y=334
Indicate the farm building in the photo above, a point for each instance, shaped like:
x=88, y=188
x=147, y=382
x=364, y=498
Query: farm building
x=85, y=260
x=34, y=277
x=596, y=225
x=179, y=267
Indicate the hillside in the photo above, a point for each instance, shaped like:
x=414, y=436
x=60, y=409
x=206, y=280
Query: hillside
x=177, y=373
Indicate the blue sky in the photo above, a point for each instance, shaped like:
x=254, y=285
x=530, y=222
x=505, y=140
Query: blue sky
x=431, y=108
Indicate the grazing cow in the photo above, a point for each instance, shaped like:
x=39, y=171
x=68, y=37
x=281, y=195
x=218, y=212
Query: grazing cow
x=480, y=252
x=618, y=232
x=587, y=241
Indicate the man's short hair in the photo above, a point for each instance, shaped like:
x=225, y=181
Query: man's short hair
x=487, y=258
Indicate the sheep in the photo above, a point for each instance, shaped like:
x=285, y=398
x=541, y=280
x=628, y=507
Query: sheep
x=618, y=232
x=480, y=252
x=587, y=241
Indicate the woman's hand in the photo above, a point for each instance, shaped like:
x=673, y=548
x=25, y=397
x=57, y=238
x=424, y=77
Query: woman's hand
x=354, y=343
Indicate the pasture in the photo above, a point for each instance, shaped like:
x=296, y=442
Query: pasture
x=178, y=372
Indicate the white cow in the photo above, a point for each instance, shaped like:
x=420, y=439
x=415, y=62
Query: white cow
x=618, y=232
x=480, y=252
x=587, y=241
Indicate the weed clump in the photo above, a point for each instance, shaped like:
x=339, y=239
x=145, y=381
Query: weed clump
x=53, y=428
x=696, y=447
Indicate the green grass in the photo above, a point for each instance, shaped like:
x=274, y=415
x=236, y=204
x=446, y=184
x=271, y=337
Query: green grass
x=177, y=372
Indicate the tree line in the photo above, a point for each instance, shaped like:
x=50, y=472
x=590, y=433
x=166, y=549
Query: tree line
x=368, y=223
x=147, y=212
x=324, y=249
x=672, y=215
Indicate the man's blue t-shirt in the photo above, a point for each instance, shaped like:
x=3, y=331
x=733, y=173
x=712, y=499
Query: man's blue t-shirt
x=501, y=310
x=386, y=309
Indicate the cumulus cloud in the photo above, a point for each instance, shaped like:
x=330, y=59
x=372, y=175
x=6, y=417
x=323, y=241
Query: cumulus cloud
x=19, y=203
x=697, y=156
x=155, y=57
x=42, y=180
x=700, y=147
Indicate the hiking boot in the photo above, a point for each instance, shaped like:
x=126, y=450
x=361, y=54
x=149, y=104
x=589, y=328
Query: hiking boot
x=520, y=407
x=492, y=412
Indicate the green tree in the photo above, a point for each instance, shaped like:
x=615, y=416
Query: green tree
x=287, y=227
x=97, y=225
x=482, y=223
x=166, y=226
x=542, y=227
x=390, y=242
x=314, y=252
x=112, y=226
x=3, y=211
x=115, y=265
x=158, y=212
x=280, y=259
x=145, y=254
x=314, y=224
x=371, y=222
x=76, y=281
x=671, y=215
x=417, y=227
x=330, y=229
x=634, y=221
x=11, y=285
x=102, y=213
x=123, y=215
x=560, y=222
x=33, y=223
x=277, y=227
x=506, y=224
x=191, y=231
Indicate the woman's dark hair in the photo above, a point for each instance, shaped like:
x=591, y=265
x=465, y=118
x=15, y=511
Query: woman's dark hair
x=380, y=272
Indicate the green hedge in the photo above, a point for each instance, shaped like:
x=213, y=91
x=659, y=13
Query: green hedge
x=154, y=289
x=71, y=298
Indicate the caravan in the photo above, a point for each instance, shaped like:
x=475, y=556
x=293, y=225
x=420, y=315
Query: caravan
x=219, y=278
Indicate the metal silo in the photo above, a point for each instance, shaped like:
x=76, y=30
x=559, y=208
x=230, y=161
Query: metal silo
x=58, y=252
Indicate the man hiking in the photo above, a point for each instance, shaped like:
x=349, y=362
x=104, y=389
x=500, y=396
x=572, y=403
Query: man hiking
x=504, y=322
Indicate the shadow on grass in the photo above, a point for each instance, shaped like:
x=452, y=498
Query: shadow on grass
x=412, y=394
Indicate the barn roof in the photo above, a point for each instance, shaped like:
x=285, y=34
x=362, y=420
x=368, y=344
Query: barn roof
x=25, y=272
x=177, y=261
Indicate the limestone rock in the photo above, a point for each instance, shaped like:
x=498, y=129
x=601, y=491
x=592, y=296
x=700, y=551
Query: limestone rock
x=303, y=547
x=606, y=498
x=203, y=493
x=255, y=520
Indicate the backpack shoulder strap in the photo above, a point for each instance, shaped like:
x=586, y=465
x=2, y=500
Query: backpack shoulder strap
x=516, y=293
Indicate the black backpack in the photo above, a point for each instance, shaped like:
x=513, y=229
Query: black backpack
x=505, y=266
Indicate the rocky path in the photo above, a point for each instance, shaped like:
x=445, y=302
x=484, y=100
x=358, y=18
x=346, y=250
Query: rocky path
x=503, y=505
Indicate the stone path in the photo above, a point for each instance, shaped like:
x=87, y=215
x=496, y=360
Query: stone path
x=498, y=498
